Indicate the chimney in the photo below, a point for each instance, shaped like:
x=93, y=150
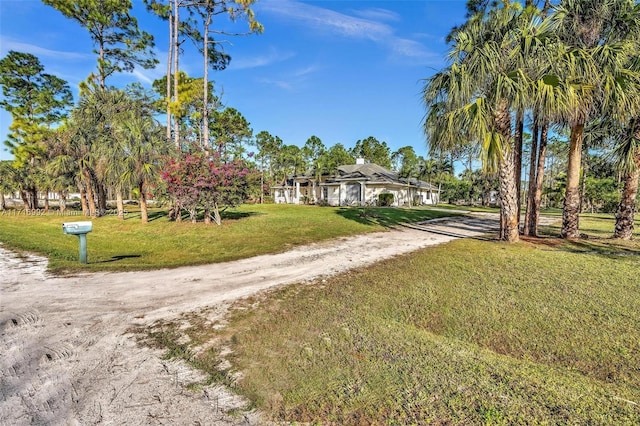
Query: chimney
x=359, y=160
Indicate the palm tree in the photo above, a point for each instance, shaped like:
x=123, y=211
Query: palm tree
x=628, y=155
x=597, y=36
x=115, y=107
x=91, y=130
x=476, y=94
x=144, y=144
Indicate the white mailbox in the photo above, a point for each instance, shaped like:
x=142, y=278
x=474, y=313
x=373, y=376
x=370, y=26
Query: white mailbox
x=81, y=229
x=75, y=228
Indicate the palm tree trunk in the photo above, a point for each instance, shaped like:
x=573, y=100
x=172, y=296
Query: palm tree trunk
x=25, y=199
x=3, y=202
x=532, y=178
x=571, y=207
x=102, y=199
x=33, y=198
x=583, y=185
x=508, y=199
x=507, y=177
x=83, y=202
x=627, y=207
x=46, y=200
x=518, y=158
x=537, y=198
x=144, y=213
x=91, y=201
x=62, y=203
x=119, y=203
x=207, y=215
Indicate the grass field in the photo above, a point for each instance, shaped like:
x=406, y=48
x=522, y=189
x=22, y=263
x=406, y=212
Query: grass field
x=250, y=230
x=472, y=332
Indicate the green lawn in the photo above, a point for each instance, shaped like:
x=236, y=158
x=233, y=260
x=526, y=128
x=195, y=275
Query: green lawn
x=246, y=231
x=471, y=332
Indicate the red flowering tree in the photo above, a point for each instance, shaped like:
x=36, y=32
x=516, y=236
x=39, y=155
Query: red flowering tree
x=200, y=180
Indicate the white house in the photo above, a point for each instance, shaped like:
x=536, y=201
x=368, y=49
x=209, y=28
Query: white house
x=355, y=184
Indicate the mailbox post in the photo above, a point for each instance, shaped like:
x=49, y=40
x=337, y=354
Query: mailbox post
x=81, y=229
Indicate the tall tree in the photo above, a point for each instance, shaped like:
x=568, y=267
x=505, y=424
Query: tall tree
x=145, y=146
x=37, y=102
x=373, y=151
x=290, y=161
x=628, y=155
x=186, y=110
x=211, y=48
x=230, y=132
x=407, y=163
x=268, y=148
x=200, y=28
x=334, y=157
x=120, y=44
x=60, y=167
x=477, y=92
x=312, y=152
x=546, y=101
x=596, y=34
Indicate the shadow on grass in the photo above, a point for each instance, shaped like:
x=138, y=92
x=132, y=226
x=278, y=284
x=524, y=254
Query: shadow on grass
x=389, y=217
x=600, y=246
x=589, y=244
x=119, y=257
x=236, y=215
x=151, y=215
x=158, y=214
x=489, y=235
x=164, y=214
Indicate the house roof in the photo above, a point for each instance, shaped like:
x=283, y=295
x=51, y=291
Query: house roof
x=374, y=173
x=370, y=173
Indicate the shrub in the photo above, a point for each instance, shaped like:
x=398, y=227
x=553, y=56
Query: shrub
x=385, y=199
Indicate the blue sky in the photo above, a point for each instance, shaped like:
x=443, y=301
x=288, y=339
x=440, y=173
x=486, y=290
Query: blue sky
x=340, y=70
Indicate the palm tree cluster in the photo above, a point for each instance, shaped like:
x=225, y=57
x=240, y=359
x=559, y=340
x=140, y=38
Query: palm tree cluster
x=571, y=66
x=111, y=142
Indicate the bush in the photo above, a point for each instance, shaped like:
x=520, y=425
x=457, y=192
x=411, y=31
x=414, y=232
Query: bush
x=385, y=199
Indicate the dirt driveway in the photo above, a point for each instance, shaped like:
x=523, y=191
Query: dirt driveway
x=66, y=357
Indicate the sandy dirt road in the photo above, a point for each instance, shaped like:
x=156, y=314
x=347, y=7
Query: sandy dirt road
x=67, y=356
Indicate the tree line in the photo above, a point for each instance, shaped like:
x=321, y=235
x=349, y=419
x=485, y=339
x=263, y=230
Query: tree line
x=569, y=66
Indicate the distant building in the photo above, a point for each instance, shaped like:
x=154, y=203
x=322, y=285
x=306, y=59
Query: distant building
x=355, y=185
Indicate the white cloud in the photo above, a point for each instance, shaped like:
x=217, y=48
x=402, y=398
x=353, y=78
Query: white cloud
x=326, y=19
x=367, y=26
x=10, y=44
x=271, y=57
x=377, y=14
x=142, y=76
x=410, y=49
x=282, y=84
x=302, y=72
x=292, y=80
